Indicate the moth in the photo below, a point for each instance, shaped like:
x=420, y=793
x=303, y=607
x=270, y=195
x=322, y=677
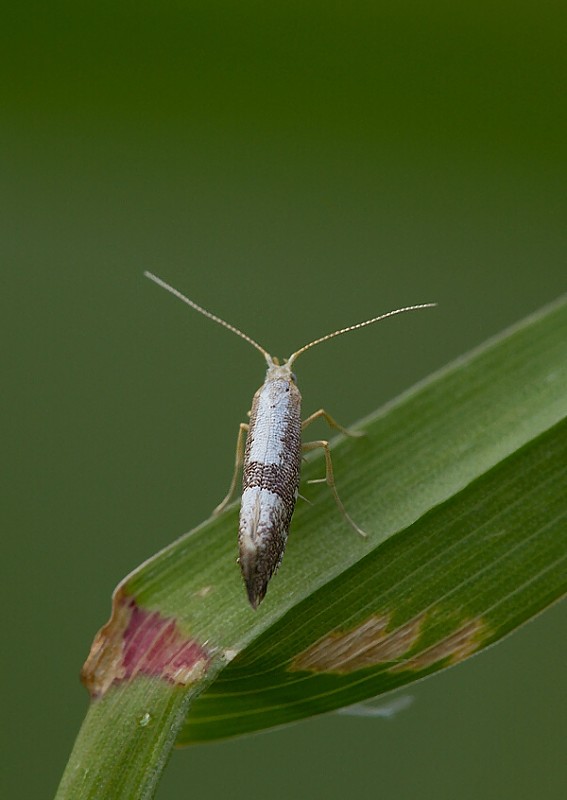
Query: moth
x=271, y=459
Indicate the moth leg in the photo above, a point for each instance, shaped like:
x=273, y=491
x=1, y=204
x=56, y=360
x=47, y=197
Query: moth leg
x=243, y=428
x=332, y=423
x=329, y=479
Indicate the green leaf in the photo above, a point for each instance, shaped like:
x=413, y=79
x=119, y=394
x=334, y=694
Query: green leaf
x=460, y=484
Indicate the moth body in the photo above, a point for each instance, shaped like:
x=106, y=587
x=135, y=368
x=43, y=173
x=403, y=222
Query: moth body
x=271, y=460
x=270, y=479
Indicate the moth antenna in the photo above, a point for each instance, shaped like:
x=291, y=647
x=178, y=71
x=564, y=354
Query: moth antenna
x=208, y=314
x=358, y=325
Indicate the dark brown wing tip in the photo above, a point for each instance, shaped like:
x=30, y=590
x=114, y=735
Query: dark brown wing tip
x=255, y=593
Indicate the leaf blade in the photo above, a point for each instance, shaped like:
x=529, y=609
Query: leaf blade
x=422, y=456
x=476, y=598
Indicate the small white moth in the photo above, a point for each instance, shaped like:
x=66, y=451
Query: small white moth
x=271, y=461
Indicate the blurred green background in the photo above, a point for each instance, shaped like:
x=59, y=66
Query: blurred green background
x=295, y=167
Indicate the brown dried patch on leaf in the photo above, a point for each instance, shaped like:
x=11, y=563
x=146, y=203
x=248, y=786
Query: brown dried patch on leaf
x=459, y=645
x=367, y=645
x=136, y=641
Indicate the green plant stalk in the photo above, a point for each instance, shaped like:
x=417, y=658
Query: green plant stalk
x=460, y=483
